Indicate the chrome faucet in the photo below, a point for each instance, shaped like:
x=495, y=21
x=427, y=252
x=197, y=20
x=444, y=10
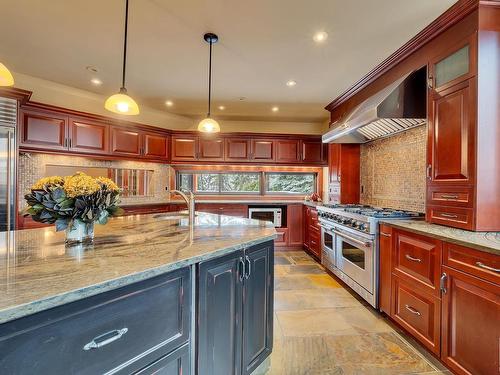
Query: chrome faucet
x=189, y=199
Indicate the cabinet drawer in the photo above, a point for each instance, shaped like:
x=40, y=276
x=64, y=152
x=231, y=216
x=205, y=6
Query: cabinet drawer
x=418, y=312
x=417, y=259
x=315, y=243
x=121, y=331
x=282, y=239
x=450, y=196
x=456, y=217
x=175, y=363
x=474, y=262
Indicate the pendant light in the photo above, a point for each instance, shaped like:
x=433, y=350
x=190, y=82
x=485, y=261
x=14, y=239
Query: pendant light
x=6, y=78
x=208, y=124
x=122, y=103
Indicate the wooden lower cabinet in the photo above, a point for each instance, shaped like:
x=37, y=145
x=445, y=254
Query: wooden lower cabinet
x=295, y=223
x=471, y=324
x=236, y=291
x=385, y=268
x=312, y=232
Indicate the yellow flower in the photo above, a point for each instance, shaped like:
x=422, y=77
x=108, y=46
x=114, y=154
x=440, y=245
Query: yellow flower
x=110, y=184
x=80, y=184
x=52, y=180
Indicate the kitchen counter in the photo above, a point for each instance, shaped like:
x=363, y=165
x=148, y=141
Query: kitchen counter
x=229, y=201
x=483, y=241
x=38, y=272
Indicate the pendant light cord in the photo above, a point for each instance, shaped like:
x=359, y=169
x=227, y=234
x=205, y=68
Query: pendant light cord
x=209, y=78
x=125, y=46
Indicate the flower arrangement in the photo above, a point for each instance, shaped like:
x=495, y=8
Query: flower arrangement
x=72, y=201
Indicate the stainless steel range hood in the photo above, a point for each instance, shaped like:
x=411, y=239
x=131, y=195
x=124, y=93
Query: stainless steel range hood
x=398, y=107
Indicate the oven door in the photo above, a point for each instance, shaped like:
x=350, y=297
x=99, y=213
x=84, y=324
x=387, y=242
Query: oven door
x=328, y=247
x=355, y=258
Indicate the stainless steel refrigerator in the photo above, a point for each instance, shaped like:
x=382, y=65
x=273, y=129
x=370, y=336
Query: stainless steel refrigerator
x=8, y=119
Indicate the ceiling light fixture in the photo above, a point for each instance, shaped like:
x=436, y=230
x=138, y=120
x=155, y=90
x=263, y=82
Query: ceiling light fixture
x=291, y=83
x=6, y=78
x=275, y=109
x=208, y=124
x=320, y=36
x=221, y=107
x=169, y=103
x=96, y=81
x=122, y=103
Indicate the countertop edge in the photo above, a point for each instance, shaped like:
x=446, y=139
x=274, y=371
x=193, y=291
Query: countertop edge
x=456, y=241
x=22, y=310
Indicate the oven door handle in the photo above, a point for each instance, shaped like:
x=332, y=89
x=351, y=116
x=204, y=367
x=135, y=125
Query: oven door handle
x=359, y=242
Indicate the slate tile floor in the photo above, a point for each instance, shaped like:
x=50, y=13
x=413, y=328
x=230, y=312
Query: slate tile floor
x=320, y=328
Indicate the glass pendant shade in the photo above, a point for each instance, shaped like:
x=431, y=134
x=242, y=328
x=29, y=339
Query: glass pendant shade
x=122, y=104
x=6, y=78
x=208, y=125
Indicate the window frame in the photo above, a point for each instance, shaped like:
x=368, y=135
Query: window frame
x=265, y=184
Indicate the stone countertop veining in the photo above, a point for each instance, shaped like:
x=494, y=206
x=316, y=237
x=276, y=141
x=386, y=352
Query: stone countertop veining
x=229, y=201
x=38, y=272
x=483, y=241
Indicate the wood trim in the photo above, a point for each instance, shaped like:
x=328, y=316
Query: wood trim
x=22, y=96
x=449, y=18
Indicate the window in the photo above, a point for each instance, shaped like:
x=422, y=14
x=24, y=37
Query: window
x=211, y=182
x=290, y=183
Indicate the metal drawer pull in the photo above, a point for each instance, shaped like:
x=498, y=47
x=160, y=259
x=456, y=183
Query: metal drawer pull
x=482, y=265
x=442, y=283
x=409, y=257
x=449, y=196
x=249, y=269
x=449, y=215
x=385, y=234
x=105, y=339
x=241, y=269
x=412, y=310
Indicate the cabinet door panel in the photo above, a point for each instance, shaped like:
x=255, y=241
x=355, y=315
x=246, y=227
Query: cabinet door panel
x=385, y=287
x=89, y=137
x=452, y=134
x=219, y=315
x=175, y=363
x=471, y=328
x=312, y=151
x=43, y=131
x=295, y=224
x=125, y=142
x=258, y=307
x=237, y=149
x=184, y=148
x=334, y=162
x=287, y=151
x=263, y=149
x=155, y=146
x=212, y=149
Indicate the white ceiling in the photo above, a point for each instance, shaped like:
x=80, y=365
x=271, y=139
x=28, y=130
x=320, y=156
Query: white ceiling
x=263, y=43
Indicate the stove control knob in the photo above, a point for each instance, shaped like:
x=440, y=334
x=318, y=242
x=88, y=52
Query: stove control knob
x=362, y=226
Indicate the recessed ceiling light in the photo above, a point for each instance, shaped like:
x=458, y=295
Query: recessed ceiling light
x=221, y=107
x=96, y=81
x=291, y=83
x=275, y=109
x=320, y=36
x=91, y=69
x=169, y=103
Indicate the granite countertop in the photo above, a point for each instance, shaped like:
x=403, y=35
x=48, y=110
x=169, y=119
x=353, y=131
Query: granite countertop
x=38, y=272
x=483, y=241
x=228, y=201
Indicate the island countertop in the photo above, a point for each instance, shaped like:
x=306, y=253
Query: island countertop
x=39, y=272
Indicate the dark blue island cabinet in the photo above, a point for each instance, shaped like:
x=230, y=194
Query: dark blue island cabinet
x=235, y=311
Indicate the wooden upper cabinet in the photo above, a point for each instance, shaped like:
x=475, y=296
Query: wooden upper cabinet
x=312, y=151
x=263, y=149
x=40, y=130
x=334, y=162
x=344, y=173
x=452, y=129
x=184, y=148
x=470, y=324
x=211, y=149
x=88, y=137
x=155, y=146
x=237, y=149
x=126, y=142
x=287, y=151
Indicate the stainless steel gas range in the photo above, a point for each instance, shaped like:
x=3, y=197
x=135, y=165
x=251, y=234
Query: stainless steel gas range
x=349, y=244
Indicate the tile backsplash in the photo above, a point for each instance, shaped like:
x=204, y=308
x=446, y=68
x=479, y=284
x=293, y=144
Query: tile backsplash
x=393, y=171
x=32, y=167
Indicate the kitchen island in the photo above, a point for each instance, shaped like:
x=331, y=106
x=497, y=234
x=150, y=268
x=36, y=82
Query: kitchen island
x=129, y=301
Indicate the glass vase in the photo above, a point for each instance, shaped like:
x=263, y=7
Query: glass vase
x=79, y=232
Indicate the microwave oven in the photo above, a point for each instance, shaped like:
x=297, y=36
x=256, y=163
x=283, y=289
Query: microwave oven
x=272, y=215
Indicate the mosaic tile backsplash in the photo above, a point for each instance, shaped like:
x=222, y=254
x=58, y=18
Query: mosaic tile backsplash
x=393, y=171
x=32, y=167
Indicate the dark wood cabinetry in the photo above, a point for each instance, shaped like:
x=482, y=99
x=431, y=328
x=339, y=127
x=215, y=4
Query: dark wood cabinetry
x=237, y=292
x=155, y=146
x=211, y=149
x=446, y=295
x=184, y=148
x=125, y=142
x=40, y=130
x=295, y=224
x=88, y=137
x=237, y=149
x=262, y=150
x=344, y=179
x=313, y=151
x=287, y=151
x=312, y=232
